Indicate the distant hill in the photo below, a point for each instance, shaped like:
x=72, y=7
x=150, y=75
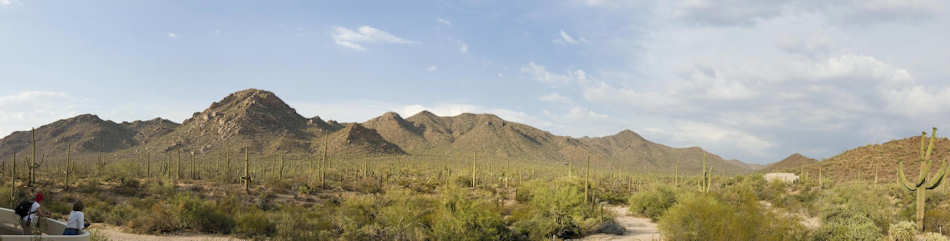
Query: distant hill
x=859, y=163
x=266, y=124
x=792, y=162
x=494, y=137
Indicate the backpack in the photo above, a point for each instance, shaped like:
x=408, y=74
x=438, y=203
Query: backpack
x=23, y=208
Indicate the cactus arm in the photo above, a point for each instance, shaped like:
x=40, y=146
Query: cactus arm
x=941, y=173
x=902, y=179
x=930, y=148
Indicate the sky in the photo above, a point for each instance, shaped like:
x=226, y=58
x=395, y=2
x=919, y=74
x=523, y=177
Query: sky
x=751, y=80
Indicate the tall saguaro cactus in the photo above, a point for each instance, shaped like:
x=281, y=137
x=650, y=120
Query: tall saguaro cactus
x=921, y=185
x=707, y=178
x=474, y=171
x=33, y=160
x=66, y=178
x=587, y=181
x=247, y=174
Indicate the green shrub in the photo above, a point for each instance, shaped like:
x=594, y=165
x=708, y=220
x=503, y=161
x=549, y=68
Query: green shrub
x=557, y=209
x=653, y=203
x=703, y=217
x=254, y=224
x=903, y=231
x=203, y=216
x=466, y=218
x=937, y=219
x=932, y=237
x=296, y=223
x=849, y=226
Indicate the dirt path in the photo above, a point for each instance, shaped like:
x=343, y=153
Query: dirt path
x=115, y=234
x=638, y=229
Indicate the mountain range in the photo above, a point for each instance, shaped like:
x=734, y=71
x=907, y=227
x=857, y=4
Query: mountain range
x=264, y=123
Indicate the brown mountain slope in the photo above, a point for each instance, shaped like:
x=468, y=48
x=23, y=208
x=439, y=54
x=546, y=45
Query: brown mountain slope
x=790, y=163
x=497, y=138
x=861, y=163
x=86, y=133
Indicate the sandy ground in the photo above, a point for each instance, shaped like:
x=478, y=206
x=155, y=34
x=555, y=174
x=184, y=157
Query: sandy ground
x=115, y=234
x=638, y=229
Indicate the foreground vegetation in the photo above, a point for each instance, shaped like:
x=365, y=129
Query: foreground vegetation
x=301, y=197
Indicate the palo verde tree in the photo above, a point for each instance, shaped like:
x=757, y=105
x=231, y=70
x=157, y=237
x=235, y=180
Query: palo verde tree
x=923, y=182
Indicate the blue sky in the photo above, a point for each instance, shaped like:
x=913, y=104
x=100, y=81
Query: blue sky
x=748, y=79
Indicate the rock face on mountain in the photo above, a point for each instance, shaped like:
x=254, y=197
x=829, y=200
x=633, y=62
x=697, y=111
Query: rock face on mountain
x=792, y=162
x=264, y=123
x=863, y=162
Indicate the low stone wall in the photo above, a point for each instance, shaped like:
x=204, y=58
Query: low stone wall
x=51, y=229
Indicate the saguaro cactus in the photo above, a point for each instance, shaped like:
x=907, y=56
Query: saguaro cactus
x=474, y=171
x=178, y=166
x=587, y=181
x=66, y=178
x=707, y=178
x=247, y=174
x=922, y=184
x=13, y=182
x=33, y=160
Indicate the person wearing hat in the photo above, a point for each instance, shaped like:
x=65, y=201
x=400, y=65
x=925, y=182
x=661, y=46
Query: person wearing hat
x=29, y=221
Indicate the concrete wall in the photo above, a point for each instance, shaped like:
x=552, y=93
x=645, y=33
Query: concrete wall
x=51, y=229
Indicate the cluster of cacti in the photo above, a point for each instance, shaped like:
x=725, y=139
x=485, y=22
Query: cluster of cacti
x=923, y=182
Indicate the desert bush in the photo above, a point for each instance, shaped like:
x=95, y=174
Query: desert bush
x=853, y=203
x=653, y=203
x=557, y=209
x=407, y=216
x=357, y=219
x=203, y=216
x=903, y=231
x=462, y=217
x=703, y=217
x=932, y=237
x=162, y=218
x=254, y=224
x=937, y=219
x=294, y=223
x=848, y=225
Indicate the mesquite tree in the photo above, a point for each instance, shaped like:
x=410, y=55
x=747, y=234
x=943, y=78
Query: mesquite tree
x=921, y=185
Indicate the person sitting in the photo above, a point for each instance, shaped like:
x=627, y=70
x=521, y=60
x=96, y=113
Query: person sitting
x=29, y=221
x=77, y=220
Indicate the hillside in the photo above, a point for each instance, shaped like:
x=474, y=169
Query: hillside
x=792, y=162
x=860, y=163
x=266, y=124
x=493, y=137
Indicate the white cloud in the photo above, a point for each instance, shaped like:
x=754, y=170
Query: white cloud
x=540, y=73
x=463, y=47
x=556, y=98
x=365, y=35
x=172, y=35
x=6, y=2
x=23, y=110
x=443, y=21
x=432, y=68
x=567, y=39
